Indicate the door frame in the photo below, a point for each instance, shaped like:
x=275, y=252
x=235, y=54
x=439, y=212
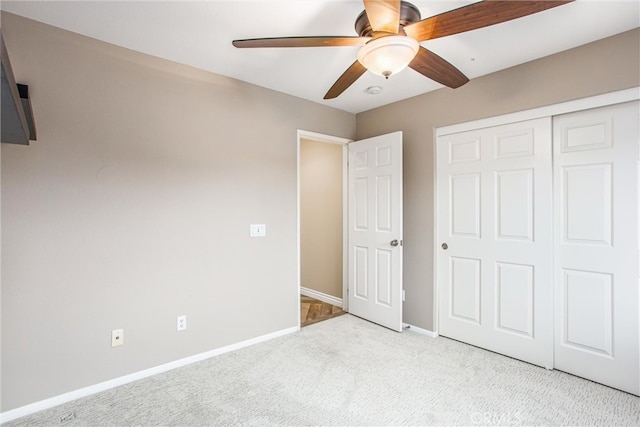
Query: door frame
x=611, y=98
x=344, y=142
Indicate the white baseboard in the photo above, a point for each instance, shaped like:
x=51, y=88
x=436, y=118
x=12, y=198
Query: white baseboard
x=421, y=331
x=329, y=299
x=106, y=385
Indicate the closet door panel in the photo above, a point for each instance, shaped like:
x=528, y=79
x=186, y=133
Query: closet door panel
x=596, y=245
x=494, y=231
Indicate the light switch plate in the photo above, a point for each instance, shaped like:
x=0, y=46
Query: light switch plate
x=258, y=230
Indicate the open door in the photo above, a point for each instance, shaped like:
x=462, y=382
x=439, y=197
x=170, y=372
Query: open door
x=375, y=230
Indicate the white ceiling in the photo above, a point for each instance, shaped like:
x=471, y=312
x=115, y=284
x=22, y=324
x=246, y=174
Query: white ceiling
x=200, y=34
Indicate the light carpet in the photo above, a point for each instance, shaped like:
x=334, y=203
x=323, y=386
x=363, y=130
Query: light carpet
x=346, y=371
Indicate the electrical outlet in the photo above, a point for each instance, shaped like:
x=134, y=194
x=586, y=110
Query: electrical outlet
x=117, y=337
x=181, y=322
x=404, y=295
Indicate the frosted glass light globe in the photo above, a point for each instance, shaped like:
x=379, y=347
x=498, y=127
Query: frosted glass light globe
x=388, y=55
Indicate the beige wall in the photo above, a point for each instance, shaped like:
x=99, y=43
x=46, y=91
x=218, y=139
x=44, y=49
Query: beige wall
x=134, y=204
x=134, y=207
x=321, y=217
x=604, y=66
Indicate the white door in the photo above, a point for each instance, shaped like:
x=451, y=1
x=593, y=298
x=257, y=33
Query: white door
x=375, y=230
x=494, y=236
x=596, y=245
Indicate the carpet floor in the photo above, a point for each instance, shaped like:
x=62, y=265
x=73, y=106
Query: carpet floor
x=346, y=371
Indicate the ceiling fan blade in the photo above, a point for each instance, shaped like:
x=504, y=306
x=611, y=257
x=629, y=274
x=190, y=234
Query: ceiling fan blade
x=301, y=42
x=383, y=15
x=352, y=74
x=434, y=67
x=476, y=15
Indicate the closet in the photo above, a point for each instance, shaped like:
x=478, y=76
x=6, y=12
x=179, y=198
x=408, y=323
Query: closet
x=537, y=240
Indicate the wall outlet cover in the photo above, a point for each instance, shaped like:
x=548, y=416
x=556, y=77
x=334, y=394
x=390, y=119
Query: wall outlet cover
x=181, y=322
x=117, y=337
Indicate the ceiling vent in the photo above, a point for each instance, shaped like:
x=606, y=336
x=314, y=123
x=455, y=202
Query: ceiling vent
x=16, y=122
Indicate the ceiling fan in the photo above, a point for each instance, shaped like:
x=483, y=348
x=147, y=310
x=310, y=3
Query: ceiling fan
x=390, y=32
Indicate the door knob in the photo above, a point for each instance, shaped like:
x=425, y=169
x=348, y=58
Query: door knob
x=394, y=243
x=445, y=246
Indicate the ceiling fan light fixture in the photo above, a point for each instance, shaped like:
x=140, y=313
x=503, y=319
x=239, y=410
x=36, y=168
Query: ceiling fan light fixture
x=388, y=55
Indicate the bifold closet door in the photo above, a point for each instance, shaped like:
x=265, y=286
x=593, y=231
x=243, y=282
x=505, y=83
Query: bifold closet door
x=494, y=234
x=596, y=245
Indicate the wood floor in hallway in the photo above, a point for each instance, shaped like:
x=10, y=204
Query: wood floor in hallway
x=313, y=311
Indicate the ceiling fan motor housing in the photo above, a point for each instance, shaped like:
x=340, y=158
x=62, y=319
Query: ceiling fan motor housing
x=408, y=15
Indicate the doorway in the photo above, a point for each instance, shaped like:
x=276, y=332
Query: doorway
x=371, y=258
x=322, y=204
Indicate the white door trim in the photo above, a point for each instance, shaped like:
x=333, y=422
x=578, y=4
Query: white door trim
x=345, y=208
x=611, y=98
